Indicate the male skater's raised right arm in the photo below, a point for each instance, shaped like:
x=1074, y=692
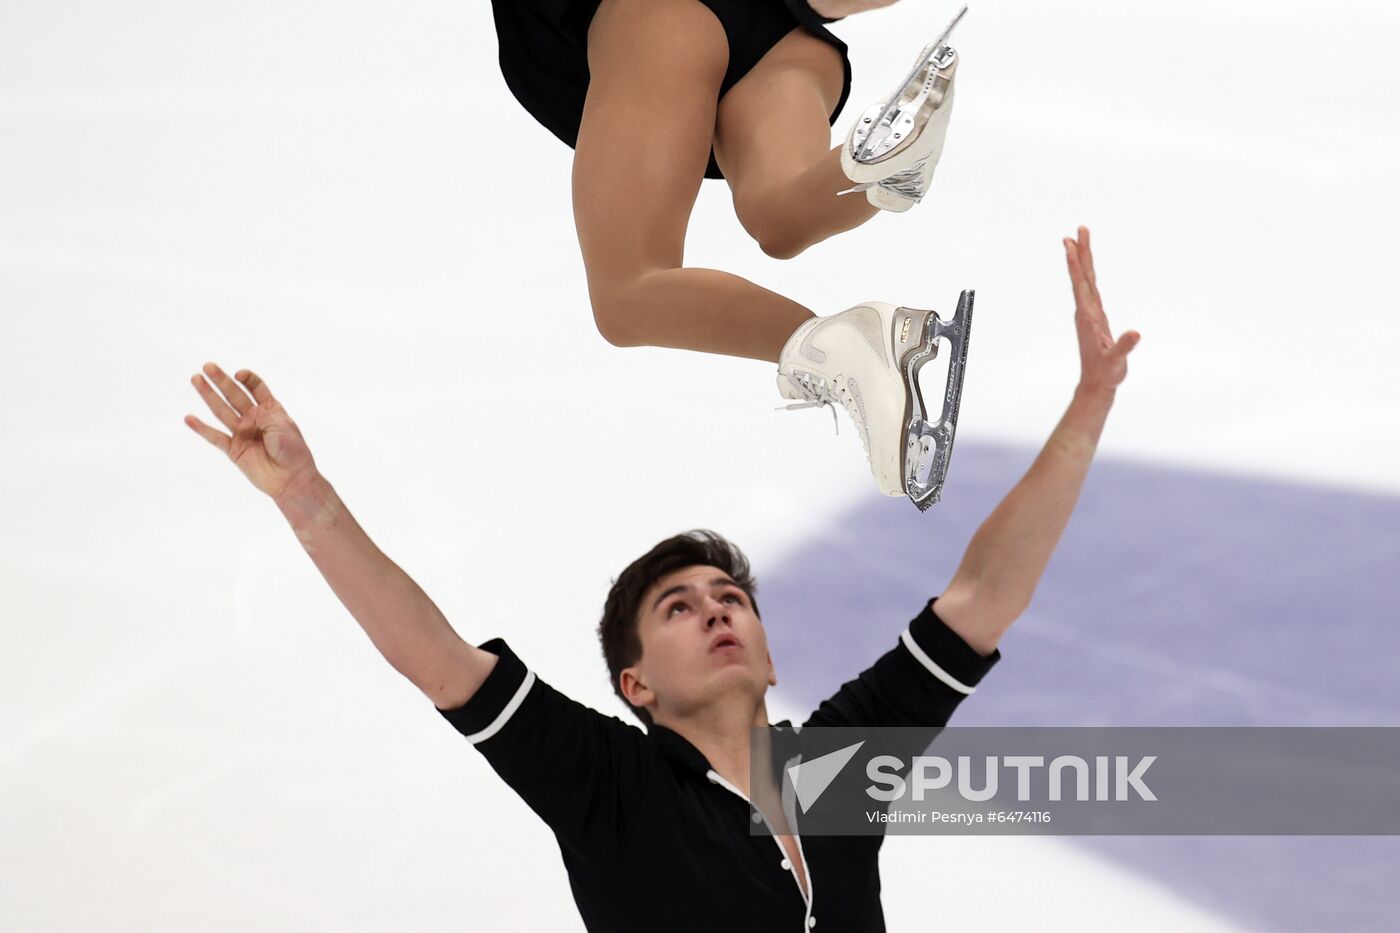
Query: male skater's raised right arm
x=404, y=624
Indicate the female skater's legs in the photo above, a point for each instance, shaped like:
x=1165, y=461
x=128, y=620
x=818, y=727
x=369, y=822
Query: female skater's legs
x=773, y=143
x=648, y=124
x=649, y=121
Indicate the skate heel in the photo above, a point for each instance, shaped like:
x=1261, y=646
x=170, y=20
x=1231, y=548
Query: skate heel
x=929, y=436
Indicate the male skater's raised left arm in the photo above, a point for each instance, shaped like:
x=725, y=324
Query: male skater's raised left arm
x=951, y=645
x=1006, y=558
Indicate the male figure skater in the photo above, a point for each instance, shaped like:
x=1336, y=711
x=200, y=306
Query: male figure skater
x=653, y=826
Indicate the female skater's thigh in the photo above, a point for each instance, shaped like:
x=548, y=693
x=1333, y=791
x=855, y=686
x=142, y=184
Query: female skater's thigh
x=775, y=121
x=655, y=71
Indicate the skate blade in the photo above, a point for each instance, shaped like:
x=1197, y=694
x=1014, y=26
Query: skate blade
x=929, y=444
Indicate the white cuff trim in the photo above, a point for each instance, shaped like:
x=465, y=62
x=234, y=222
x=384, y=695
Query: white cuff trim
x=933, y=668
x=500, y=721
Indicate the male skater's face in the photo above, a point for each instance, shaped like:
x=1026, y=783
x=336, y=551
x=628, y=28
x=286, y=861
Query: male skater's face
x=701, y=640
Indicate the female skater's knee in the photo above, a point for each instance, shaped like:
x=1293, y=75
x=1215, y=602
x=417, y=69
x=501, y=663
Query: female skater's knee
x=776, y=238
x=616, y=314
x=781, y=245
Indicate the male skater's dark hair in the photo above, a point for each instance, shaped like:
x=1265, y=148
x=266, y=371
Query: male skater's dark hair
x=622, y=645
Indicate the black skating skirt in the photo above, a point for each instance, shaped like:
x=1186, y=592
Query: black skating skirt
x=544, y=52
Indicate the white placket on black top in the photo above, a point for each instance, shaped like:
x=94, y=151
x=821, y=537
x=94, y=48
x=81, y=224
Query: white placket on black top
x=808, y=921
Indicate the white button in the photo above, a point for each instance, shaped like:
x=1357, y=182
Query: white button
x=811, y=922
x=786, y=865
x=758, y=818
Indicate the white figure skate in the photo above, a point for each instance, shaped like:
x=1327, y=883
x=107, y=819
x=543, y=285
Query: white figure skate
x=894, y=147
x=867, y=360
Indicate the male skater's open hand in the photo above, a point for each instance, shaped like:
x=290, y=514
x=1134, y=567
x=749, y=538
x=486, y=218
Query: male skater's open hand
x=265, y=443
x=1103, y=362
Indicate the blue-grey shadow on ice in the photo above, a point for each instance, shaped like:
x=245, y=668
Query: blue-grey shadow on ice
x=1176, y=598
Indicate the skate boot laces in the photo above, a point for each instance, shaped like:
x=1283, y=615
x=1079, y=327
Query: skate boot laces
x=817, y=393
x=909, y=183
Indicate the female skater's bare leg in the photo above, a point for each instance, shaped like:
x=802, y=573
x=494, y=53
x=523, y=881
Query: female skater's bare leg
x=648, y=124
x=773, y=143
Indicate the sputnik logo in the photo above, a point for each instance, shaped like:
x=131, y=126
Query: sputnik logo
x=810, y=779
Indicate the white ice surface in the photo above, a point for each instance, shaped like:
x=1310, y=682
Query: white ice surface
x=193, y=734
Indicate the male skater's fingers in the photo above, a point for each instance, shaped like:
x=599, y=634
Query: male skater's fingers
x=1082, y=267
x=1087, y=254
x=1083, y=295
x=217, y=438
x=261, y=393
x=1072, y=262
x=221, y=410
x=232, y=390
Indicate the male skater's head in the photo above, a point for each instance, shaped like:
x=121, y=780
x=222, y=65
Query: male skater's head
x=681, y=633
